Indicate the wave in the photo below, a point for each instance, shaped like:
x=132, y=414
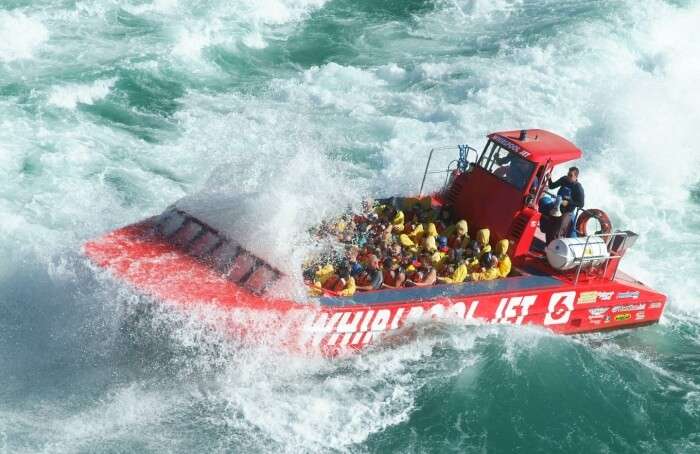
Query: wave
x=20, y=36
x=69, y=96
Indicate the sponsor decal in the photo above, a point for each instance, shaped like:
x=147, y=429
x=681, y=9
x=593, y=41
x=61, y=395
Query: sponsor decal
x=587, y=297
x=605, y=296
x=623, y=317
x=640, y=316
x=631, y=295
x=597, y=311
x=595, y=321
x=655, y=306
x=628, y=307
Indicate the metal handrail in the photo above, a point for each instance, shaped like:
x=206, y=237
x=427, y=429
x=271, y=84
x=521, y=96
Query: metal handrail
x=449, y=169
x=607, y=259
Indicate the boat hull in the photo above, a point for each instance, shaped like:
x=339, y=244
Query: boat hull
x=152, y=265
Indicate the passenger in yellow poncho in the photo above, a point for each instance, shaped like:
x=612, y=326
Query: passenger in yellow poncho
x=473, y=253
x=459, y=239
x=397, y=222
x=342, y=284
x=346, y=284
x=420, y=232
x=322, y=274
x=437, y=258
x=504, y=264
x=458, y=275
x=321, y=277
x=483, y=236
x=396, y=218
x=417, y=236
x=490, y=271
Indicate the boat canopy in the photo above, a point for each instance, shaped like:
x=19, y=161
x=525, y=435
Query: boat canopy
x=537, y=145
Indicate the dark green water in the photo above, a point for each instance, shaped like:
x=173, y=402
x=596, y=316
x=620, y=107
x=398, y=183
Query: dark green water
x=112, y=110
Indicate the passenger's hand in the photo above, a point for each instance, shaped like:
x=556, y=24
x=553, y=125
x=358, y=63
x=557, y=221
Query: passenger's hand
x=564, y=203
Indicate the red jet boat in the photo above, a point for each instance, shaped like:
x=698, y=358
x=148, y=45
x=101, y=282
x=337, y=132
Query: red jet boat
x=571, y=286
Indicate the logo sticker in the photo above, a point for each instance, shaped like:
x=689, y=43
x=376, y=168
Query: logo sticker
x=655, y=306
x=640, y=316
x=597, y=312
x=629, y=307
x=587, y=297
x=623, y=317
x=605, y=296
x=631, y=295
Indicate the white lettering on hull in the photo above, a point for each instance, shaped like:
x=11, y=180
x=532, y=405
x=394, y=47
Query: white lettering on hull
x=359, y=327
x=561, y=304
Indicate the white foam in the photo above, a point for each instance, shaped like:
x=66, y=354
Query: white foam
x=20, y=36
x=255, y=40
x=156, y=6
x=281, y=11
x=250, y=24
x=481, y=8
x=69, y=96
x=190, y=44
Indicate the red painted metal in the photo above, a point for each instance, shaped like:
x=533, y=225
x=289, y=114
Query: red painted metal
x=541, y=146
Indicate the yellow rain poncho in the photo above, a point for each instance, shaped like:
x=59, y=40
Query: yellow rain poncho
x=483, y=236
x=504, y=264
x=473, y=265
x=323, y=274
x=350, y=287
x=422, y=231
x=462, y=227
x=439, y=259
x=487, y=275
x=457, y=235
x=459, y=275
x=398, y=222
x=429, y=244
x=406, y=241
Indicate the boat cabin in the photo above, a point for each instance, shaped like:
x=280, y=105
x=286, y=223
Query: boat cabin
x=501, y=189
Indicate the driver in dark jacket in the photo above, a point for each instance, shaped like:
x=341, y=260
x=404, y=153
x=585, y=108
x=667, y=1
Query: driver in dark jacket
x=571, y=192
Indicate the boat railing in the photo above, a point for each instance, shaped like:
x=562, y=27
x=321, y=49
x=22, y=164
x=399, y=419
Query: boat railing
x=589, y=261
x=462, y=163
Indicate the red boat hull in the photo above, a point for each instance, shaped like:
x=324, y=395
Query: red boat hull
x=331, y=324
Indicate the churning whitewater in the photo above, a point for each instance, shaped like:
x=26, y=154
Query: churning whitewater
x=112, y=110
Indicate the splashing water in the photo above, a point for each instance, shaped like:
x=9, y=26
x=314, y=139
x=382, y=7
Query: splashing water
x=111, y=111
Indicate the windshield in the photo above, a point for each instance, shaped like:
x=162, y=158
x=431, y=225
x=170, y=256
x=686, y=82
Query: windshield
x=506, y=165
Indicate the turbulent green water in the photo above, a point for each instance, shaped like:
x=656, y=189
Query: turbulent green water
x=111, y=110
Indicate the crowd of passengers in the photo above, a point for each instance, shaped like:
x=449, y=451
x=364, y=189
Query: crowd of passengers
x=387, y=247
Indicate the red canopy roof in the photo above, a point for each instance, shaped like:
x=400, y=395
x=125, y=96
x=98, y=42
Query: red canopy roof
x=538, y=146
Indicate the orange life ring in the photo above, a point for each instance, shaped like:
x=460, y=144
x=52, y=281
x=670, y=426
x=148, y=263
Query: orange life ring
x=587, y=215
